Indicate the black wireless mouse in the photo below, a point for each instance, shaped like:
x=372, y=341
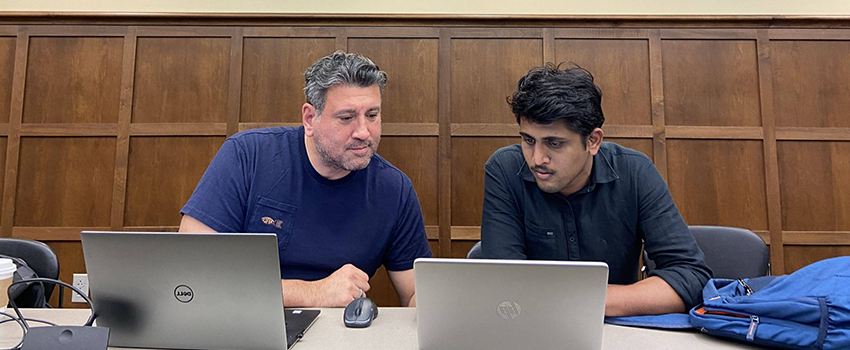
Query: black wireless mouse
x=359, y=313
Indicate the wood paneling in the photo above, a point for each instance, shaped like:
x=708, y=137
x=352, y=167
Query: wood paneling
x=811, y=83
x=642, y=145
x=162, y=174
x=468, y=157
x=181, y=80
x=797, y=257
x=416, y=157
x=382, y=293
x=71, y=261
x=65, y=181
x=7, y=67
x=3, y=142
x=484, y=72
x=411, y=65
x=272, y=80
x=814, y=180
x=73, y=80
x=711, y=82
x=621, y=69
x=718, y=182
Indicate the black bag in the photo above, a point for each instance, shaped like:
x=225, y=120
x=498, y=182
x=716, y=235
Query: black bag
x=36, y=288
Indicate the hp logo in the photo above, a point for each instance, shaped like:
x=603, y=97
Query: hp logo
x=183, y=293
x=509, y=310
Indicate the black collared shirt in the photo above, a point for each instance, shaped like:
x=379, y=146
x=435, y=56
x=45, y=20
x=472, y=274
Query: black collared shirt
x=625, y=202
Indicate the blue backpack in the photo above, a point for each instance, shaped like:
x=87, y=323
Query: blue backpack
x=808, y=309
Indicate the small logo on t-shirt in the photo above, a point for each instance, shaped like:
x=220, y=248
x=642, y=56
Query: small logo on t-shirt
x=269, y=221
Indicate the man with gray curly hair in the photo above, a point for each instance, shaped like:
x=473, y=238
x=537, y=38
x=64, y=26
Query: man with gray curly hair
x=339, y=210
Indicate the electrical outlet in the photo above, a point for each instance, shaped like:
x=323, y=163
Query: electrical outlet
x=81, y=281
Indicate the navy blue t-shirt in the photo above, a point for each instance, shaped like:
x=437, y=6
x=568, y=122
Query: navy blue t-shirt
x=262, y=181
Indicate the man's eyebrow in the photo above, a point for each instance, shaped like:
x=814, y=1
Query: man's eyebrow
x=345, y=112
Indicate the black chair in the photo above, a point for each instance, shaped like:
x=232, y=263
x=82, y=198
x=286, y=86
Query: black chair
x=730, y=252
x=475, y=252
x=41, y=259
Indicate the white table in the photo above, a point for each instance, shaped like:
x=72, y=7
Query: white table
x=395, y=328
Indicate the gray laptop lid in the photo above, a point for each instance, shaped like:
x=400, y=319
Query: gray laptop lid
x=510, y=304
x=187, y=291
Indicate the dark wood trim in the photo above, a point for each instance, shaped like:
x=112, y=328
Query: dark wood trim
x=715, y=132
x=601, y=33
x=549, y=51
x=80, y=30
x=9, y=30
x=394, y=32
x=432, y=232
x=509, y=130
x=4, y=129
x=656, y=86
x=150, y=228
x=249, y=126
x=709, y=34
x=61, y=129
x=816, y=238
x=52, y=233
x=122, y=145
x=234, y=101
x=410, y=129
x=771, y=162
x=178, y=129
x=13, y=143
x=813, y=134
x=808, y=34
x=302, y=19
x=341, y=42
x=494, y=33
x=289, y=32
x=444, y=165
x=184, y=31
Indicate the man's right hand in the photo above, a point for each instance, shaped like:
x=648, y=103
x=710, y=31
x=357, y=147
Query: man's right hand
x=341, y=287
x=336, y=290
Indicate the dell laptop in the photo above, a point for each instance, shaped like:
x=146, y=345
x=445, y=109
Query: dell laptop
x=191, y=291
x=510, y=304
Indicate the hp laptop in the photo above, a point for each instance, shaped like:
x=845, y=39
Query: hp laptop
x=191, y=291
x=510, y=304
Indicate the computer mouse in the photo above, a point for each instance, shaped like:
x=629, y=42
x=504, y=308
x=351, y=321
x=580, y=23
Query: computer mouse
x=359, y=313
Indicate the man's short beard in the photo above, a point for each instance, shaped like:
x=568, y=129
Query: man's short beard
x=339, y=162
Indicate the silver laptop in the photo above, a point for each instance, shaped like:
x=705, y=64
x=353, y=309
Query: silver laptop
x=190, y=291
x=510, y=304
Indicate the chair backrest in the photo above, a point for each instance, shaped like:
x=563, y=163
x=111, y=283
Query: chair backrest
x=730, y=252
x=40, y=258
x=475, y=252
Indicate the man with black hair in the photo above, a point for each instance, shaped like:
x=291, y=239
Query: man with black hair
x=564, y=194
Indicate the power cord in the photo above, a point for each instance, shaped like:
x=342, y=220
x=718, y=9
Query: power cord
x=23, y=321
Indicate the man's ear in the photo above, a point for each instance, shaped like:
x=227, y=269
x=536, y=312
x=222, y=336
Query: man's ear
x=308, y=118
x=594, y=140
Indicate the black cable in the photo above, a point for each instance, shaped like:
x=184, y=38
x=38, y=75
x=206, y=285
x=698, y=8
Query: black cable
x=89, y=322
x=12, y=318
x=23, y=329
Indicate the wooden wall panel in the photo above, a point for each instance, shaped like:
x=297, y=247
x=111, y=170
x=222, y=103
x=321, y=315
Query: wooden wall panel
x=811, y=83
x=411, y=65
x=711, y=82
x=7, y=66
x=484, y=72
x=468, y=157
x=162, y=174
x=621, y=69
x=416, y=157
x=272, y=80
x=181, y=80
x=718, y=182
x=797, y=257
x=65, y=181
x=642, y=145
x=71, y=261
x=73, y=80
x=814, y=185
x=3, y=144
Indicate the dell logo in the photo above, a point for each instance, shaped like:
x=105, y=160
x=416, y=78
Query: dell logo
x=183, y=293
x=509, y=310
